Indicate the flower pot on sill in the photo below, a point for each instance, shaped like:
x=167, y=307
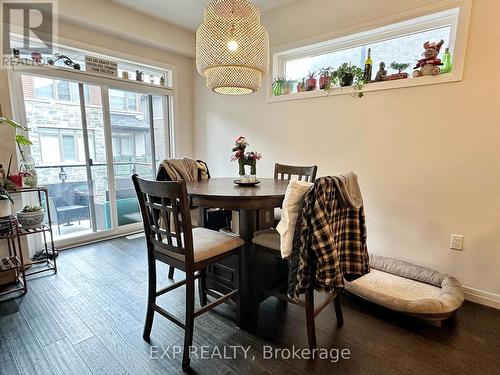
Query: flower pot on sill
x=347, y=80
x=324, y=82
x=311, y=84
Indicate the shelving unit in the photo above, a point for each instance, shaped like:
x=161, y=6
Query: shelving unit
x=45, y=230
x=14, y=261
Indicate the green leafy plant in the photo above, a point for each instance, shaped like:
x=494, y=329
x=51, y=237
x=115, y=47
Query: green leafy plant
x=399, y=66
x=311, y=74
x=33, y=208
x=21, y=140
x=325, y=71
x=348, y=74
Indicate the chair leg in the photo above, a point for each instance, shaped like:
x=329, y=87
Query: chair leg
x=202, y=288
x=338, y=310
x=171, y=270
x=239, y=282
x=151, y=300
x=311, y=328
x=188, y=334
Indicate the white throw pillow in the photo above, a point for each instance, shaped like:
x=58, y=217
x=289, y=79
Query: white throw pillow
x=292, y=204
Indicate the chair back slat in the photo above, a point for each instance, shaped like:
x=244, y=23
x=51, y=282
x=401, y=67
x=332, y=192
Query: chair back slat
x=167, y=220
x=287, y=172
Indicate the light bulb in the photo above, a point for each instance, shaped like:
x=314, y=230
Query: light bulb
x=232, y=45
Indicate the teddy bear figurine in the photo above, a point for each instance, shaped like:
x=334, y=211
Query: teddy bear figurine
x=429, y=65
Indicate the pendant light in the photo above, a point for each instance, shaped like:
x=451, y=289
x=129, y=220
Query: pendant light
x=232, y=47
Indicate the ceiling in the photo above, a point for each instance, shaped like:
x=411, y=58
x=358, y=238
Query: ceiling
x=187, y=14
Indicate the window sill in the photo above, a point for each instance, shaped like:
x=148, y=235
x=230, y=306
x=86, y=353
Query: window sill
x=371, y=87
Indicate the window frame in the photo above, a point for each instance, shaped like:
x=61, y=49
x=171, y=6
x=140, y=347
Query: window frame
x=455, y=13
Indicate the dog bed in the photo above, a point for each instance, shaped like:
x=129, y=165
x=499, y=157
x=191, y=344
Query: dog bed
x=408, y=288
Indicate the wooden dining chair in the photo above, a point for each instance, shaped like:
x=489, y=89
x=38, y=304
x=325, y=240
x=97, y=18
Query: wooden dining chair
x=267, y=249
x=171, y=239
x=288, y=172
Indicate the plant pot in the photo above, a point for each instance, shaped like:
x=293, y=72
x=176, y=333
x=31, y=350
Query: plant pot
x=324, y=82
x=300, y=87
x=30, y=220
x=5, y=208
x=17, y=179
x=311, y=84
x=347, y=80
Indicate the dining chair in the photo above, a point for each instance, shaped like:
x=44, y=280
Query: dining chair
x=287, y=172
x=171, y=239
x=267, y=243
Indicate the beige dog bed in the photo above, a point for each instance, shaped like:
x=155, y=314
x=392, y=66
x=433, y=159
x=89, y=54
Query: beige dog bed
x=410, y=289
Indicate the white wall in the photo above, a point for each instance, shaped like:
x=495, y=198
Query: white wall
x=427, y=157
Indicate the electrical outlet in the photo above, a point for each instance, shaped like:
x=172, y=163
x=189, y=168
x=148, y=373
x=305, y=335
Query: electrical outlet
x=457, y=242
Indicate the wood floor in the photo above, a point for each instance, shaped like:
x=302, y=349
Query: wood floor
x=88, y=319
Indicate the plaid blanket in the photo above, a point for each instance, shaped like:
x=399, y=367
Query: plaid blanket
x=331, y=240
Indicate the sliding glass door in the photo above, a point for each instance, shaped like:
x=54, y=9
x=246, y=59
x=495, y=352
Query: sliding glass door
x=88, y=140
x=138, y=145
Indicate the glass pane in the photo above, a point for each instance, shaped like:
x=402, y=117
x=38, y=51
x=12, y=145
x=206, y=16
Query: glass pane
x=63, y=92
x=69, y=151
x=131, y=153
x=117, y=100
x=42, y=87
x=406, y=49
x=49, y=148
x=77, y=204
x=298, y=69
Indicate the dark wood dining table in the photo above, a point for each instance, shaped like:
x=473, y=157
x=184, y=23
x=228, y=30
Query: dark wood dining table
x=255, y=205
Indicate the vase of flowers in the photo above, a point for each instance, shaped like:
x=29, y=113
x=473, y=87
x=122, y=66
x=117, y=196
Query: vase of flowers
x=245, y=158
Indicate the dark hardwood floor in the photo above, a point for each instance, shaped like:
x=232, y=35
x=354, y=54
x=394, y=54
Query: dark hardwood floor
x=88, y=319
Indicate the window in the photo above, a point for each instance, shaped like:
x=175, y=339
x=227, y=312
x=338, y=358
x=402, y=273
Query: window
x=122, y=101
x=43, y=88
x=401, y=42
x=64, y=145
x=123, y=146
x=63, y=91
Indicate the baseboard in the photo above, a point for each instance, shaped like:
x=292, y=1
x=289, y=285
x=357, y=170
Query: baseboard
x=484, y=298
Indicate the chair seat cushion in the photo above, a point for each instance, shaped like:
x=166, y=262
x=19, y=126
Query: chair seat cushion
x=269, y=238
x=209, y=243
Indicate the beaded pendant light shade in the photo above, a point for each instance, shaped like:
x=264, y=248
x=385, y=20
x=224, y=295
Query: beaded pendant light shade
x=232, y=47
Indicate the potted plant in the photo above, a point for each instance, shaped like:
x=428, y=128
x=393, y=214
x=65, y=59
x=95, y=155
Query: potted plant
x=278, y=85
x=348, y=75
x=286, y=87
x=31, y=217
x=325, y=78
x=301, y=85
x=400, y=67
x=27, y=166
x=311, y=81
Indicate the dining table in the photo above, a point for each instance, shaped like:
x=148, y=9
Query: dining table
x=255, y=206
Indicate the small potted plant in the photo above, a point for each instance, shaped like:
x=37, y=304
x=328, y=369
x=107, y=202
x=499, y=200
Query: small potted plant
x=311, y=81
x=400, y=67
x=31, y=217
x=278, y=86
x=301, y=85
x=325, y=78
x=349, y=75
x=286, y=87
